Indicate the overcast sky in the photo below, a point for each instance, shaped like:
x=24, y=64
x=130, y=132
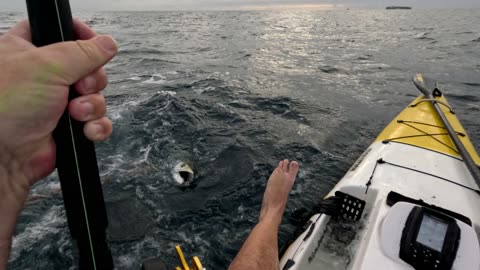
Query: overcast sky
x=86, y=5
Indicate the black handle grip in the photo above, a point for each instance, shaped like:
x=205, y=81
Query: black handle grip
x=51, y=22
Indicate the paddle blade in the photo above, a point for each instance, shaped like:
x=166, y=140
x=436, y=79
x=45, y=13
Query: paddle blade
x=424, y=84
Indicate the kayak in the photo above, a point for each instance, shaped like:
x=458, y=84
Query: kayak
x=408, y=202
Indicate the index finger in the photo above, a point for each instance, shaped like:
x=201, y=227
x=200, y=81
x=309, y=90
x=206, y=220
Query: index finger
x=82, y=30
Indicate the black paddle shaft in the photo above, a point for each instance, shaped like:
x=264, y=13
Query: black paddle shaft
x=428, y=88
x=51, y=22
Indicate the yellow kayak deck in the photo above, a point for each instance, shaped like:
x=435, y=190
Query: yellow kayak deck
x=419, y=125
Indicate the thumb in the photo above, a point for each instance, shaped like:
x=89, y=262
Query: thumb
x=73, y=60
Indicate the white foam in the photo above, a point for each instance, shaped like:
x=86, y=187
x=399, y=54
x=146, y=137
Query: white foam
x=139, y=192
x=49, y=190
x=130, y=260
x=114, y=162
x=126, y=261
x=156, y=79
x=50, y=225
x=146, y=152
x=168, y=93
x=152, y=188
x=153, y=81
x=114, y=115
x=302, y=129
x=166, y=123
x=298, y=188
x=220, y=105
x=115, y=112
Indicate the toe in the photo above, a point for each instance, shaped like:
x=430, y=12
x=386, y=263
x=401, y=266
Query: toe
x=276, y=171
x=281, y=166
x=293, y=170
x=285, y=165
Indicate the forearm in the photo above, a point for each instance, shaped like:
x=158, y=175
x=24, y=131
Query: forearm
x=260, y=251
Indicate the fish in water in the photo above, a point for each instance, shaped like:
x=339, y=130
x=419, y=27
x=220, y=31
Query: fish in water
x=183, y=173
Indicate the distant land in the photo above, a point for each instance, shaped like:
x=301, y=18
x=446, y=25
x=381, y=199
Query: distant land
x=398, y=7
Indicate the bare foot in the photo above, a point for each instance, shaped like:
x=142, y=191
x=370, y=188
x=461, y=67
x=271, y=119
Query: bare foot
x=278, y=188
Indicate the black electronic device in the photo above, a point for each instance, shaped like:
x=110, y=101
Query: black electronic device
x=430, y=240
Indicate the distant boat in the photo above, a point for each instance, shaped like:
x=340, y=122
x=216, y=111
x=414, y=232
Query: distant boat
x=398, y=7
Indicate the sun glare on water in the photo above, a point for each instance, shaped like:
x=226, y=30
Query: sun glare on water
x=292, y=6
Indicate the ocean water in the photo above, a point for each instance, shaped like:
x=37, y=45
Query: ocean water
x=233, y=93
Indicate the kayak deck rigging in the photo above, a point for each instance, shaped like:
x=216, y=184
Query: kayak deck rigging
x=382, y=161
x=425, y=134
x=418, y=126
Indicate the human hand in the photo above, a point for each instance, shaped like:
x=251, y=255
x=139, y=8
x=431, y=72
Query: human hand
x=276, y=193
x=34, y=87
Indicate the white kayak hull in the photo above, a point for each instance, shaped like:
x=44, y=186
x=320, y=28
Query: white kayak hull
x=435, y=177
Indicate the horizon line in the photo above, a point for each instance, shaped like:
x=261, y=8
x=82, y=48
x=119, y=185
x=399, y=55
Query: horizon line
x=275, y=7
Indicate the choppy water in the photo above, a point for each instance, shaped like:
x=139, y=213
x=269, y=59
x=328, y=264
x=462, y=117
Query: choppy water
x=233, y=93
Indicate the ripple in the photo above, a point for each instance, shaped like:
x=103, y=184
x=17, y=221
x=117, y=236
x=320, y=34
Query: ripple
x=472, y=84
x=331, y=70
x=465, y=97
x=425, y=37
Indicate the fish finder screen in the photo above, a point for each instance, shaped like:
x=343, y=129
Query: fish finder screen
x=432, y=232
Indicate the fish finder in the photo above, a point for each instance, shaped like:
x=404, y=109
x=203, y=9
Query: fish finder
x=429, y=240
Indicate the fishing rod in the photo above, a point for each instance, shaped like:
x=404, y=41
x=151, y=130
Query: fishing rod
x=51, y=22
x=431, y=91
